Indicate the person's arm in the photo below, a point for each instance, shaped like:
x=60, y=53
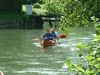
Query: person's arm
x=43, y=36
x=56, y=34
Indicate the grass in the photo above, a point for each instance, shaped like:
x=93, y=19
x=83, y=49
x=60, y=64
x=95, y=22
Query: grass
x=38, y=11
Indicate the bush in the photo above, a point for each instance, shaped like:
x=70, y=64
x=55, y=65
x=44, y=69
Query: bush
x=92, y=56
x=36, y=5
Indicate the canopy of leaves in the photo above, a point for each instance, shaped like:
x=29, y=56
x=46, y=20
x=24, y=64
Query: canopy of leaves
x=78, y=12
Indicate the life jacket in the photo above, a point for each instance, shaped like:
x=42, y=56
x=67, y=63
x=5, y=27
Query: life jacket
x=48, y=36
x=53, y=34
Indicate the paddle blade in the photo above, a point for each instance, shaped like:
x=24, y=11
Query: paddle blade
x=62, y=36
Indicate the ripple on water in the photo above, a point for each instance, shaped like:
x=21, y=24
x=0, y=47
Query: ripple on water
x=43, y=71
x=37, y=44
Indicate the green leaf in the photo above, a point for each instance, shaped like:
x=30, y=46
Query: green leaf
x=81, y=69
x=89, y=57
x=89, y=72
x=80, y=45
x=98, y=59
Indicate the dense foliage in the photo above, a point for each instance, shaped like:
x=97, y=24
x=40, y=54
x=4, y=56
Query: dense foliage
x=53, y=7
x=78, y=13
x=92, y=56
x=31, y=1
x=10, y=6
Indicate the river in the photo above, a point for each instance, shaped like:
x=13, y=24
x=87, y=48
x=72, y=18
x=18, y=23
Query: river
x=20, y=55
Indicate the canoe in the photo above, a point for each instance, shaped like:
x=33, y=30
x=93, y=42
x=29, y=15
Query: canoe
x=46, y=43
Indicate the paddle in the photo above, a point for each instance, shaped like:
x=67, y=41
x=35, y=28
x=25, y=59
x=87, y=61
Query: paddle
x=62, y=36
x=58, y=41
x=34, y=39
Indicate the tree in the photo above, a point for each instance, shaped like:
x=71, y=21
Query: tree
x=78, y=12
x=10, y=5
x=53, y=6
x=29, y=1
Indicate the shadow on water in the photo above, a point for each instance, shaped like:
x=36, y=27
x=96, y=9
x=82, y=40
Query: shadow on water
x=19, y=55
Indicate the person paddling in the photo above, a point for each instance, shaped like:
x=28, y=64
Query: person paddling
x=47, y=39
x=47, y=36
x=54, y=34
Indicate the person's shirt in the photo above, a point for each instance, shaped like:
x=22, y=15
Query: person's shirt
x=55, y=34
x=47, y=36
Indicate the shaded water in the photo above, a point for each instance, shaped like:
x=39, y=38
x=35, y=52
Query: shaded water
x=19, y=55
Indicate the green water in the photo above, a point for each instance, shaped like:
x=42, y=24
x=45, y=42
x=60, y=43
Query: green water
x=19, y=55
